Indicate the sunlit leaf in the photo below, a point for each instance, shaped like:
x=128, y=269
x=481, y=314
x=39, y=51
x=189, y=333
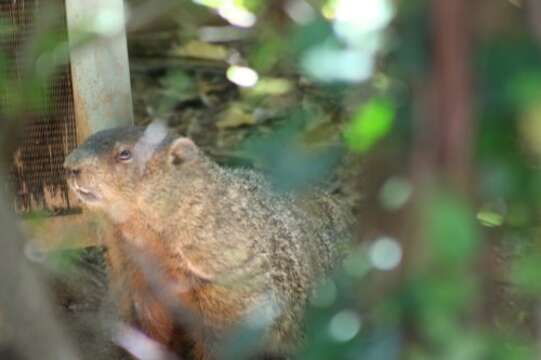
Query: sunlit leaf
x=369, y=124
x=329, y=63
x=489, y=218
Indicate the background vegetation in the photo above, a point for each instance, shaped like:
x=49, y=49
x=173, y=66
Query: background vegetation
x=424, y=116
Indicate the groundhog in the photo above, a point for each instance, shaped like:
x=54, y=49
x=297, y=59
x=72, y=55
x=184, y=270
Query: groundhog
x=203, y=250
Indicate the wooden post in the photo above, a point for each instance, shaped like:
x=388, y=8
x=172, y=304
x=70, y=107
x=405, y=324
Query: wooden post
x=100, y=68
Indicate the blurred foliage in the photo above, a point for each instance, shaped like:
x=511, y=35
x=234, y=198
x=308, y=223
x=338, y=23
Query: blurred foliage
x=466, y=284
x=370, y=123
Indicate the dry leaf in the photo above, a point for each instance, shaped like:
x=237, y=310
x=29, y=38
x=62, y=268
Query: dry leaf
x=235, y=116
x=202, y=50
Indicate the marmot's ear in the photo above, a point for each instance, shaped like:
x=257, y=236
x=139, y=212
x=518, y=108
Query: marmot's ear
x=182, y=151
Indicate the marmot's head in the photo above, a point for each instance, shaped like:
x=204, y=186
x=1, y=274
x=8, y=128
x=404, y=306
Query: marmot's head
x=113, y=167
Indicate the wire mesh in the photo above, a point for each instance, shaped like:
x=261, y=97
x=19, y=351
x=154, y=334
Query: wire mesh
x=50, y=130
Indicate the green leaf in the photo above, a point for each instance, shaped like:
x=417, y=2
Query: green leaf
x=525, y=273
x=369, y=124
x=451, y=229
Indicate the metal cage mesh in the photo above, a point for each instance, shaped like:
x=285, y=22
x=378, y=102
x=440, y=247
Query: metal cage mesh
x=50, y=128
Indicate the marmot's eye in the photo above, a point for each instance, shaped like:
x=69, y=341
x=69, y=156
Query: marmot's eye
x=124, y=155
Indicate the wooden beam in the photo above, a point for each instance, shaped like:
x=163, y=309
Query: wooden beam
x=99, y=68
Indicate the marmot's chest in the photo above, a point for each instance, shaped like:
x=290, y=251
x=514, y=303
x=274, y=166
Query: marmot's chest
x=165, y=279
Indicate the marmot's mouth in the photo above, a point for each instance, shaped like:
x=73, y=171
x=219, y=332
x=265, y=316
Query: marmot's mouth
x=84, y=194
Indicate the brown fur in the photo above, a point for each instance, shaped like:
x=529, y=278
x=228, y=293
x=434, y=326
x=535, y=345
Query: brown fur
x=220, y=240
